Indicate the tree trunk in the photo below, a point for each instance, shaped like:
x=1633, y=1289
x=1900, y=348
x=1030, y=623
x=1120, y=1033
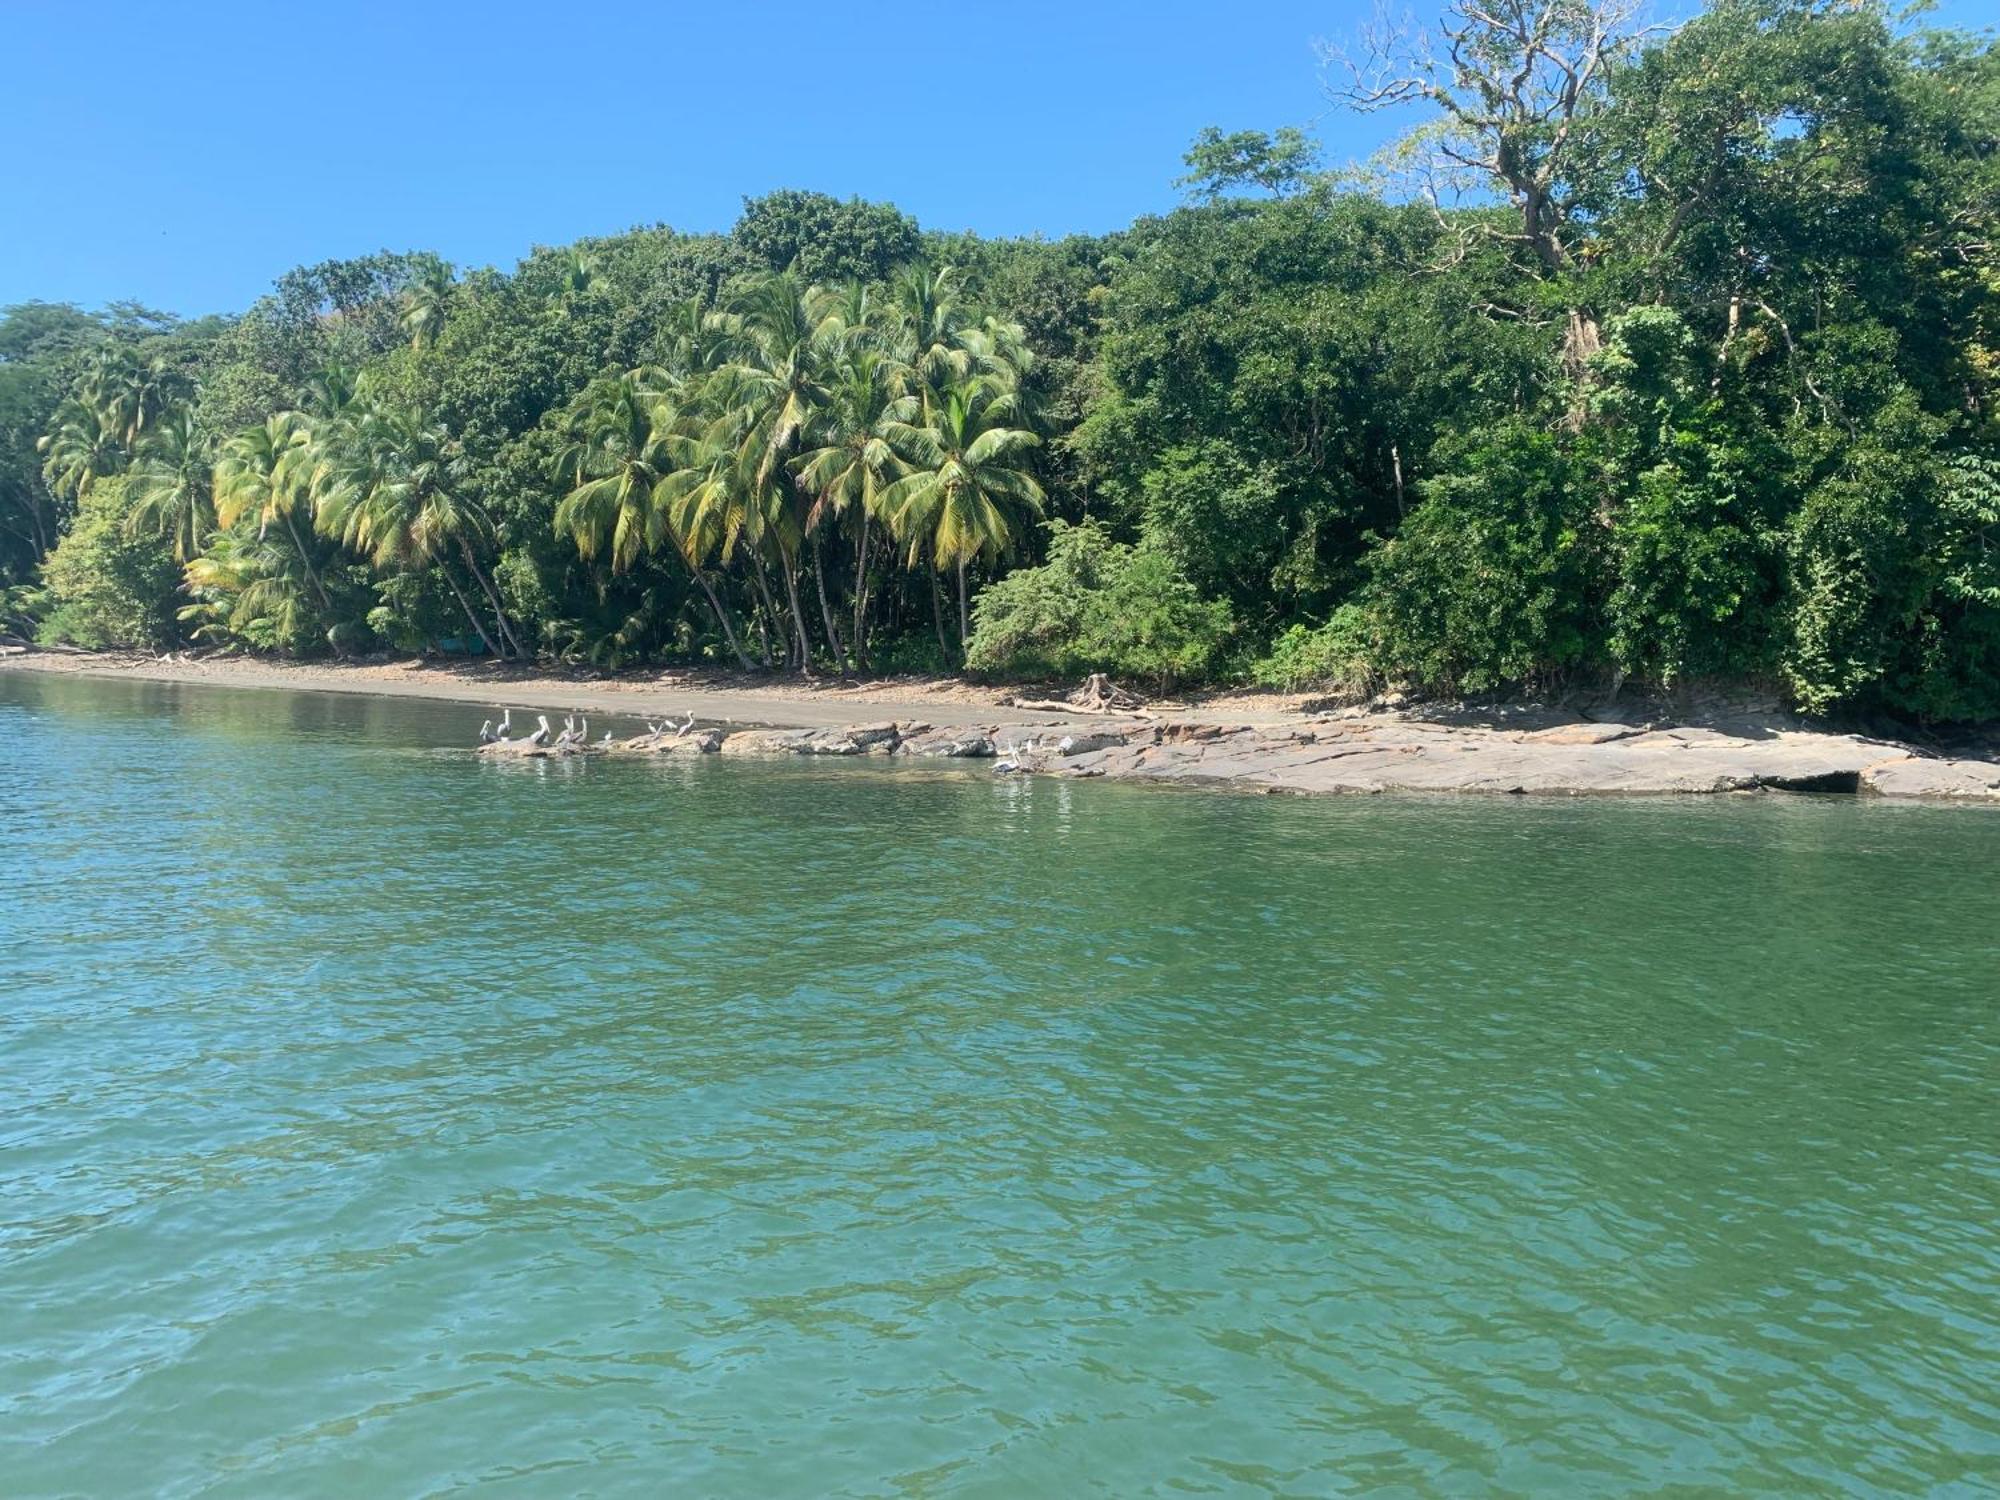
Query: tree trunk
x=964, y=627
x=506, y=630
x=937, y=614
x=470, y=614
x=825, y=612
x=1580, y=341
x=305, y=560
x=721, y=618
x=798, y=613
x=769, y=612
x=861, y=595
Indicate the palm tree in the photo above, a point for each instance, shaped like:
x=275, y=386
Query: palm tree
x=172, y=484
x=928, y=324
x=846, y=472
x=619, y=467
x=266, y=472
x=968, y=470
x=248, y=587
x=613, y=466
x=397, y=496
x=426, y=302
x=768, y=397
x=78, y=449
x=130, y=394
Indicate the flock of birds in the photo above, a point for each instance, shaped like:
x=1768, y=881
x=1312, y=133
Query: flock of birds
x=575, y=731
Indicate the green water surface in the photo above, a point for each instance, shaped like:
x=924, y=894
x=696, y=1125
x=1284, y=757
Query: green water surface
x=379, y=1121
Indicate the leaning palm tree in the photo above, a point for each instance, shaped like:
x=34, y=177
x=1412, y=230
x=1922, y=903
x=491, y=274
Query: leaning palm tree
x=629, y=442
x=171, y=484
x=248, y=588
x=265, y=473
x=397, y=495
x=969, y=470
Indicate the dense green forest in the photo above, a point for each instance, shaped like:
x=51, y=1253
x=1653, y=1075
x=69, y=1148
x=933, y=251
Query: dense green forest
x=1659, y=357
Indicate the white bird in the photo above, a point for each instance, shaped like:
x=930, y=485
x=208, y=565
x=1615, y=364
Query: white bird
x=486, y=733
x=541, y=734
x=506, y=724
x=607, y=738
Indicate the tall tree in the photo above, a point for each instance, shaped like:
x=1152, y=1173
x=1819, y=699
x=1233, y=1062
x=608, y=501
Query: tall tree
x=171, y=484
x=265, y=474
x=969, y=483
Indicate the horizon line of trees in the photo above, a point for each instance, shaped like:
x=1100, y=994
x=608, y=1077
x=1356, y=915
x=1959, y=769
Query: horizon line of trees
x=1647, y=356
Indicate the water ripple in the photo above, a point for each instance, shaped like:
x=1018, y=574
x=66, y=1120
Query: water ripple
x=375, y=1123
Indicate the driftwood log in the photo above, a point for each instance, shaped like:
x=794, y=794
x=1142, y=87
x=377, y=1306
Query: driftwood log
x=1098, y=695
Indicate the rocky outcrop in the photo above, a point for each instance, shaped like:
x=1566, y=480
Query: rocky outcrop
x=1913, y=776
x=670, y=742
x=1391, y=755
x=1350, y=754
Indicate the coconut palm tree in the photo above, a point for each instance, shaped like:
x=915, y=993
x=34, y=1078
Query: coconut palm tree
x=767, y=397
x=852, y=463
x=968, y=478
x=131, y=394
x=629, y=442
x=266, y=473
x=78, y=449
x=927, y=323
x=248, y=587
x=426, y=302
x=397, y=496
x=171, y=484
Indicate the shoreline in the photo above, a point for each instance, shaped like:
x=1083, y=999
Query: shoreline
x=1251, y=742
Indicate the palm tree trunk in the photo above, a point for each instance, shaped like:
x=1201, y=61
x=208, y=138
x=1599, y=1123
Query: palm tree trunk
x=964, y=630
x=769, y=611
x=937, y=614
x=721, y=617
x=861, y=595
x=306, y=561
x=825, y=612
x=470, y=614
x=798, y=612
x=500, y=621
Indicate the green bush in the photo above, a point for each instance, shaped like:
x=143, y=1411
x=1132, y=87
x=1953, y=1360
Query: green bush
x=105, y=587
x=1334, y=656
x=1490, y=583
x=1097, y=606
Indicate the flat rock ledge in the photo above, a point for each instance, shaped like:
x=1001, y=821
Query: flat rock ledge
x=1372, y=755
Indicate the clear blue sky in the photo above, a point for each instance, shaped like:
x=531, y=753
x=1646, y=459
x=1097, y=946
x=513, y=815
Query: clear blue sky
x=187, y=154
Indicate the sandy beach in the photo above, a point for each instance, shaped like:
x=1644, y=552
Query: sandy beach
x=1246, y=742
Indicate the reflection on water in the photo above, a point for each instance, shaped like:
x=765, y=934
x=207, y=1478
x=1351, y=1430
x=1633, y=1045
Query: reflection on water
x=379, y=1120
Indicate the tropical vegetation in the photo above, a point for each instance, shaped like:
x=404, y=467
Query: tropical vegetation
x=1650, y=356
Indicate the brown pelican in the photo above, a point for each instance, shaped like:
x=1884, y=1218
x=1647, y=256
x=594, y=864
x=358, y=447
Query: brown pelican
x=486, y=733
x=541, y=734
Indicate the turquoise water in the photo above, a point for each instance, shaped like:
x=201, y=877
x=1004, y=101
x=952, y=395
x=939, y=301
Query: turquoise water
x=380, y=1121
